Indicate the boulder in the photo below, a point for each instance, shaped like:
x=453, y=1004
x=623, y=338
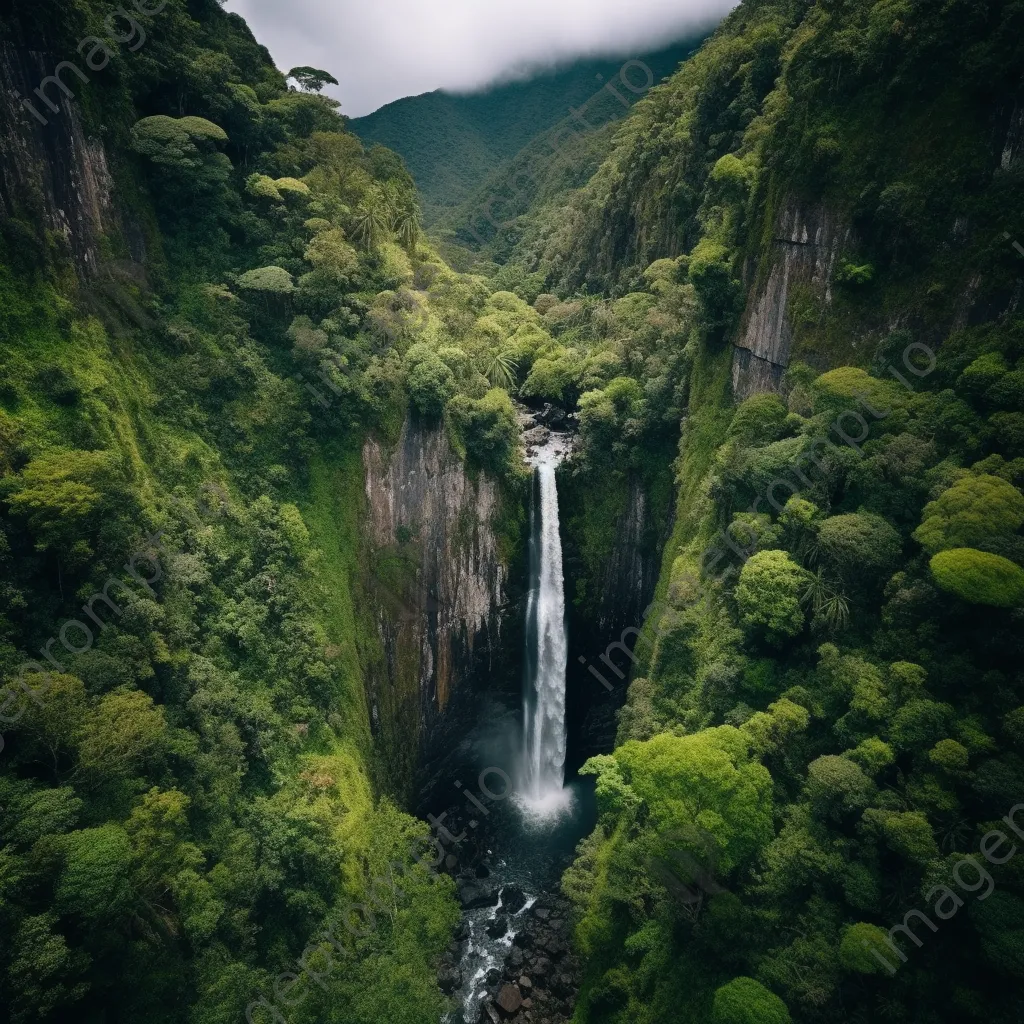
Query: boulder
x=509, y=1000
x=472, y=894
x=498, y=927
x=449, y=979
x=541, y=966
x=512, y=898
x=525, y=985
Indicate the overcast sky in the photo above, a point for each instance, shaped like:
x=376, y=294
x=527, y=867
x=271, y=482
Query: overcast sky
x=381, y=50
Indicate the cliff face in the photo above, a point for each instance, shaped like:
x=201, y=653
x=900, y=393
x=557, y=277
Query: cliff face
x=51, y=174
x=438, y=585
x=613, y=535
x=631, y=570
x=807, y=241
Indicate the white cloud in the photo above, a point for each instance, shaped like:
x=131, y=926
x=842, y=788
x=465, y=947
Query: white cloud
x=380, y=52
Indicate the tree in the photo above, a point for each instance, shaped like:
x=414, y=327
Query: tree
x=718, y=292
x=979, y=577
x=124, y=728
x=177, y=143
x=332, y=256
x=759, y=420
x=373, y=219
x=974, y=510
x=44, y=973
x=769, y=593
x=861, y=546
x=835, y=786
x=60, y=494
x=97, y=866
x=431, y=381
x=858, y=942
x=311, y=79
x=488, y=429
x=501, y=369
x=746, y=1001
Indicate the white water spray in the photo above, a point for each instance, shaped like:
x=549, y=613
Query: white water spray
x=546, y=653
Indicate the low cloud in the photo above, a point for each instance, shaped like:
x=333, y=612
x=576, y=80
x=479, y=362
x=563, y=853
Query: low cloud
x=381, y=52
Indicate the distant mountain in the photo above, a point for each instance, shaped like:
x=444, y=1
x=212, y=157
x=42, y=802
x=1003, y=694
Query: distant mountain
x=451, y=143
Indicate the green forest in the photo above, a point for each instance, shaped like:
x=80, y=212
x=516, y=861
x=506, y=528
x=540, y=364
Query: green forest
x=777, y=305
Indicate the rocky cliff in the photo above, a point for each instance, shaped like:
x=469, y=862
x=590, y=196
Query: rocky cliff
x=807, y=241
x=52, y=174
x=614, y=529
x=439, y=588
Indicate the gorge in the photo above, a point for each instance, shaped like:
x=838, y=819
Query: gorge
x=523, y=643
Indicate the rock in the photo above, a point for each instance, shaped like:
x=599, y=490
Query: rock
x=541, y=966
x=562, y=985
x=489, y=1014
x=493, y=976
x=512, y=898
x=523, y=939
x=482, y=870
x=525, y=984
x=451, y=862
x=509, y=1000
x=449, y=978
x=542, y=912
x=497, y=927
x=515, y=958
x=472, y=894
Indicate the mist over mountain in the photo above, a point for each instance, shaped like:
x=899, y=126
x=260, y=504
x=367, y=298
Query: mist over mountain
x=452, y=141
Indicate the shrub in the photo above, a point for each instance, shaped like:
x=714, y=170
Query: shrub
x=979, y=577
x=860, y=545
x=855, y=950
x=268, y=280
x=487, y=429
x=769, y=593
x=974, y=510
x=949, y=756
x=746, y=1001
x=852, y=273
x=759, y=420
x=431, y=381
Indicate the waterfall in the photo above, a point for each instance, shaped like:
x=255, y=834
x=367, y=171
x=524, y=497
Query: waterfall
x=546, y=653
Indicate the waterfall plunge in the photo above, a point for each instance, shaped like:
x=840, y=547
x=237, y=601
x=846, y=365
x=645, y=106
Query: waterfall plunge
x=546, y=652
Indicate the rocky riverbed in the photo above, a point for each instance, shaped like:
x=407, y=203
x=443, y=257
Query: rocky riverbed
x=534, y=977
x=547, y=434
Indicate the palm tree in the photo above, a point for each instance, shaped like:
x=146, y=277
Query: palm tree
x=407, y=225
x=403, y=212
x=501, y=370
x=372, y=219
x=827, y=601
